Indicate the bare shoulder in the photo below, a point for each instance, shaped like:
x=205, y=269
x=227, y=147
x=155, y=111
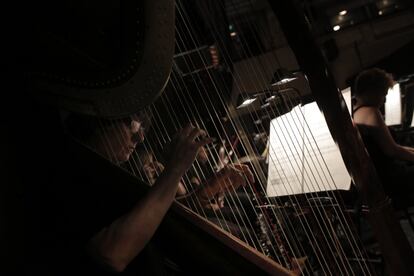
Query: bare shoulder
x=368, y=115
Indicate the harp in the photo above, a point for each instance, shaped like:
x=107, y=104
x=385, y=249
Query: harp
x=116, y=79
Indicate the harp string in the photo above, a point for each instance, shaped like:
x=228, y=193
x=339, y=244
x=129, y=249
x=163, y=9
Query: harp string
x=212, y=119
x=121, y=139
x=305, y=133
x=210, y=77
x=304, y=160
x=345, y=226
x=165, y=139
x=320, y=216
x=218, y=95
x=189, y=96
x=264, y=192
x=200, y=176
x=195, y=202
x=190, y=201
x=232, y=196
x=339, y=214
x=288, y=184
x=187, y=116
x=338, y=211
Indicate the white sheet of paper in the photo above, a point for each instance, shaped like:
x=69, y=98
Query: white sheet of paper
x=296, y=163
x=393, y=106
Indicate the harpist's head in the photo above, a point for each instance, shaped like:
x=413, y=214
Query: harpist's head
x=371, y=86
x=115, y=139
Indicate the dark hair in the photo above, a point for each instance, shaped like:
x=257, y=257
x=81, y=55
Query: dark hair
x=373, y=80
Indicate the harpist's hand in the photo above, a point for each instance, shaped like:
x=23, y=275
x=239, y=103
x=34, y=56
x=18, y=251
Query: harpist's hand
x=234, y=176
x=184, y=148
x=228, y=179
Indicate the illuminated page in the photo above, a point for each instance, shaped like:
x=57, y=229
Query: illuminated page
x=393, y=106
x=302, y=155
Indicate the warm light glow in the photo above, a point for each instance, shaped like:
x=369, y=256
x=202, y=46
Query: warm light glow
x=343, y=12
x=380, y=12
x=336, y=28
x=214, y=55
x=233, y=34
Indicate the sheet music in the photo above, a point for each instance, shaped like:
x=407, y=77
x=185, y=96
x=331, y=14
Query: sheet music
x=393, y=106
x=296, y=163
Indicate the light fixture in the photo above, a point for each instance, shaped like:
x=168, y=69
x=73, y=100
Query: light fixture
x=336, y=28
x=266, y=105
x=343, y=12
x=246, y=102
x=282, y=76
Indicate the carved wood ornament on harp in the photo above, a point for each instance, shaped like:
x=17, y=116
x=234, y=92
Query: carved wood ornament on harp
x=241, y=231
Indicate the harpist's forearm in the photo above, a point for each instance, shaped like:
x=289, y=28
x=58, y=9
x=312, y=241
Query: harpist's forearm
x=116, y=245
x=404, y=153
x=409, y=149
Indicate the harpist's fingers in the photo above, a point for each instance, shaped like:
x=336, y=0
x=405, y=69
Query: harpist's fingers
x=196, y=133
x=204, y=141
x=246, y=171
x=248, y=174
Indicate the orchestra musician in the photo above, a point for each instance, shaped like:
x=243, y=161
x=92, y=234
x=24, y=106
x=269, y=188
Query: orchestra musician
x=394, y=162
x=115, y=243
